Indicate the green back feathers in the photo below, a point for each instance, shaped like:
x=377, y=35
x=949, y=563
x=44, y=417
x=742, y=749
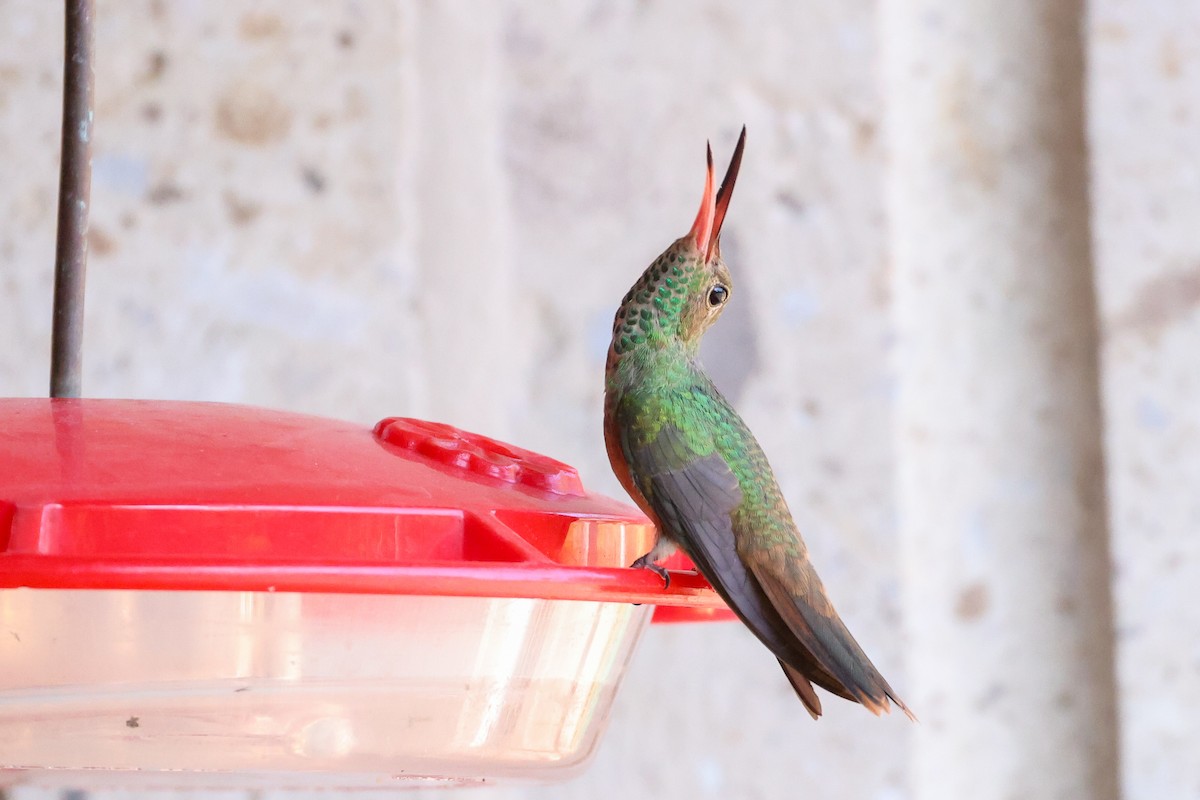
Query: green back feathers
x=689, y=409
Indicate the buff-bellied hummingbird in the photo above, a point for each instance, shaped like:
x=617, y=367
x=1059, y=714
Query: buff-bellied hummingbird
x=689, y=461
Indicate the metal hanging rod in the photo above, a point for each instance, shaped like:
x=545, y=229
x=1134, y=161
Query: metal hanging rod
x=74, y=198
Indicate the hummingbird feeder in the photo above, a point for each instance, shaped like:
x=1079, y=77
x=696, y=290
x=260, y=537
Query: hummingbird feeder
x=210, y=595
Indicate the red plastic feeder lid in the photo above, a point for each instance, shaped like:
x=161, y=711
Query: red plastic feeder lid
x=129, y=494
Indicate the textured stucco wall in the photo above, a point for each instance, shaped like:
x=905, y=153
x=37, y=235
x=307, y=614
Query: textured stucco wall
x=1145, y=126
x=998, y=417
x=365, y=207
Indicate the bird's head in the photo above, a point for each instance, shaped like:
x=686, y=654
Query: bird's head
x=686, y=288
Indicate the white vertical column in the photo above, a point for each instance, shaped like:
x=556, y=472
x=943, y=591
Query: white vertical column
x=459, y=199
x=998, y=430
x=1145, y=126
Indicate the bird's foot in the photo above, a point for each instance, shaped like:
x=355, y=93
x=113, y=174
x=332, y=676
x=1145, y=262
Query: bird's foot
x=645, y=563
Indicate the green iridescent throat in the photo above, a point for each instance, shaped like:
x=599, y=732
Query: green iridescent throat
x=652, y=312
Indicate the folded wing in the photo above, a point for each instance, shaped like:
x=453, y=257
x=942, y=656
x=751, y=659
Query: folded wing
x=773, y=589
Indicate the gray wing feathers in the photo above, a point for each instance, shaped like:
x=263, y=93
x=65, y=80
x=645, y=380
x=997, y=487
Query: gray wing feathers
x=695, y=498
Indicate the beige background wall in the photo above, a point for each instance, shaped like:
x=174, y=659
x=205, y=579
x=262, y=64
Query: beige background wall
x=966, y=252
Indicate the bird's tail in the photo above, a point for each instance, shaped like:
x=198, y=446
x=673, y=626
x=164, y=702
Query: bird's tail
x=842, y=666
x=804, y=690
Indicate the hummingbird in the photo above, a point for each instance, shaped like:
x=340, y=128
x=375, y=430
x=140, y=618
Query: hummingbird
x=688, y=460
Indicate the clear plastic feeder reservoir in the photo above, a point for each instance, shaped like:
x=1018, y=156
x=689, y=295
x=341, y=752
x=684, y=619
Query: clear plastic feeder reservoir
x=211, y=595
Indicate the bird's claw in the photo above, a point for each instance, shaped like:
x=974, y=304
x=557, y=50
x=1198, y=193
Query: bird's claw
x=645, y=563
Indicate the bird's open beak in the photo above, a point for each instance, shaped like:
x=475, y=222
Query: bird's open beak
x=706, y=230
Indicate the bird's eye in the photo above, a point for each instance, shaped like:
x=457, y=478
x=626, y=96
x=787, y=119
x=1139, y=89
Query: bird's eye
x=717, y=295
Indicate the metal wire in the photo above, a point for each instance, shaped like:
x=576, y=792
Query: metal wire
x=74, y=197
